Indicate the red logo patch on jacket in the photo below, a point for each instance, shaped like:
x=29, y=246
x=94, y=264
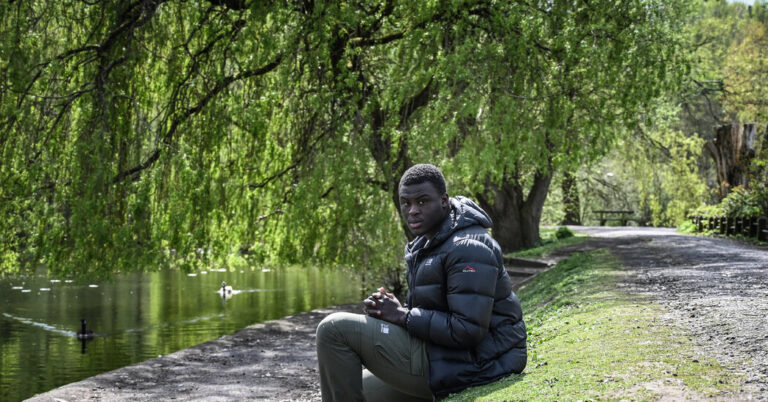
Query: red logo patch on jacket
x=468, y=269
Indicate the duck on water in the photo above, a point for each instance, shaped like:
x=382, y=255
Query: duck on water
x=84, y=332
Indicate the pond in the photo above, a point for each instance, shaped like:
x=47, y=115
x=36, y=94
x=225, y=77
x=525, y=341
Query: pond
x=139, y=316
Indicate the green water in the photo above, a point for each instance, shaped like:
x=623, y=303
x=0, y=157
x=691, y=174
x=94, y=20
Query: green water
x=140, y=316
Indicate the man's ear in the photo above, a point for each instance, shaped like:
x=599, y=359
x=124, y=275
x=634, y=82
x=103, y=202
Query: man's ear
x=444, y=200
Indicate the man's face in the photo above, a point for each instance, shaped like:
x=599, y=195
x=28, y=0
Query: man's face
x=423, y=208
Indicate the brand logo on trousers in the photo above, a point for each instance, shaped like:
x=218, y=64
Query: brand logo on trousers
x=468, y=269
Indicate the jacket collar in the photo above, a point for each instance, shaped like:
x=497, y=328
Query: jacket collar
x=463, y=213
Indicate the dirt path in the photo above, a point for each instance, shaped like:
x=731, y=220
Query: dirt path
x=715, y=288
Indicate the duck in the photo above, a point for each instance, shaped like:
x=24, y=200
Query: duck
x=225, y=291
x=84, y=333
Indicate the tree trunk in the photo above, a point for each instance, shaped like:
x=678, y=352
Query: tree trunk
x=571, y=202
x=516, y=218
x=732, y=150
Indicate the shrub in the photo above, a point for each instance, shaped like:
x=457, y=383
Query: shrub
x=563, y=233
x=687, y=227
x=709, y=210
x=742, y=203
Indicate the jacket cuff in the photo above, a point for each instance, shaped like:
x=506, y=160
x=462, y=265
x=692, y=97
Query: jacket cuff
x=417, y=323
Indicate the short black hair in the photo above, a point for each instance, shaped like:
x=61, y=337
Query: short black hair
x=422, y=173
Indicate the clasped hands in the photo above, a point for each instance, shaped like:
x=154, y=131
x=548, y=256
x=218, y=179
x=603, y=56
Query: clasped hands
x=385, y=306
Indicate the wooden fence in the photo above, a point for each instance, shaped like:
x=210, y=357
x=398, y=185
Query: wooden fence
x=728, y=226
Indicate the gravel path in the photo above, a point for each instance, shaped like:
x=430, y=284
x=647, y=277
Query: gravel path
x=715, y=288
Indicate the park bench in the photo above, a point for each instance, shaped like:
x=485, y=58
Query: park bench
x=622, y=216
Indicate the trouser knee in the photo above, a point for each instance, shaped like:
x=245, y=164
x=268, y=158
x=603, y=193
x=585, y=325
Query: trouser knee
x=331, y=327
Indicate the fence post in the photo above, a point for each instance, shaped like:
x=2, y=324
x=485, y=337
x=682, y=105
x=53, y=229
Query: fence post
x=761, y=229
x=753, y=227
x=723, y=222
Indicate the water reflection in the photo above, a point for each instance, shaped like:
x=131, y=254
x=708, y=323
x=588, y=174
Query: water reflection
x=140, y=316
x=84, y=343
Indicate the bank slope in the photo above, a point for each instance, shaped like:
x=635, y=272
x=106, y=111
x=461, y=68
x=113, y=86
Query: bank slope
x=590, y=340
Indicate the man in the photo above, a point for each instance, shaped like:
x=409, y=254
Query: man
x=460, y=326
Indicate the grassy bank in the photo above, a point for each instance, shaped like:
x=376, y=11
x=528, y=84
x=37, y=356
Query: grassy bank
x=549, y=243
x=587, y=340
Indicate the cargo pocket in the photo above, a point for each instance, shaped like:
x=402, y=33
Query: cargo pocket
x=397, y=348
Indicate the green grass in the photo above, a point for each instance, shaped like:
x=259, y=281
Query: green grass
x=549, y=243
x=588, y=340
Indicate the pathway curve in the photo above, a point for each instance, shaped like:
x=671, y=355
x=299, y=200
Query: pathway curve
x=715, y=288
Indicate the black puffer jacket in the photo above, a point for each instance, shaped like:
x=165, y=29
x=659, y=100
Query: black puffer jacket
x=462, y=303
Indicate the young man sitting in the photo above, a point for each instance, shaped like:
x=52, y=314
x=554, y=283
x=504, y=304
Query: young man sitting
x=461, y=324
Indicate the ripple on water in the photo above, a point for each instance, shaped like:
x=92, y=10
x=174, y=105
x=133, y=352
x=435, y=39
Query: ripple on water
x=42, y=325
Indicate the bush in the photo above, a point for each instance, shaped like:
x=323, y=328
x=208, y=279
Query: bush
x=687, y=227
x=739, y=203
x=563, y=233
x=742, y=203
x=709, y=211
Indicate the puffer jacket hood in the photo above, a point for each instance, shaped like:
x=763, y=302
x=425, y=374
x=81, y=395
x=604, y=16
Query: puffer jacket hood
x=464, y=213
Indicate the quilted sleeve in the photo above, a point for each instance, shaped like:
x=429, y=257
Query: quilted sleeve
x=471, y=270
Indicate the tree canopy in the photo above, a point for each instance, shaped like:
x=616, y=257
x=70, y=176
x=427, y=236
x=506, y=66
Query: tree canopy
x=137, y=134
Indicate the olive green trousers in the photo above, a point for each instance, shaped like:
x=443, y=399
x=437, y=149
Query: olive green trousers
x=397, y=367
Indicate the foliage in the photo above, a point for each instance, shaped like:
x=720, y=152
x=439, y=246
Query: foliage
x=658, y=169
x=744, y=203
x=563, y=233
x=746, y=69
x=662, y=165
x=553, y=211
x=739, y=203
x=687, y=227
x=583, y=338
x=727, y=79
x=151, y=133
x=709, y=210
x=182, y=136
x=549, y=244
x=653, y=171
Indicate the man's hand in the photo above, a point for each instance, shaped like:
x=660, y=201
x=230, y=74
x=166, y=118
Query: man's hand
x=385, y=306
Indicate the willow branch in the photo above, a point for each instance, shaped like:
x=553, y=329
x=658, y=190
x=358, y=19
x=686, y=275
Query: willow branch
x=181, y=119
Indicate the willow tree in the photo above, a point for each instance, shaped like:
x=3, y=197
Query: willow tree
x=180, y=132
x=501, y=94
x=141, y=132
x=119, y=147
x=542, y=87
